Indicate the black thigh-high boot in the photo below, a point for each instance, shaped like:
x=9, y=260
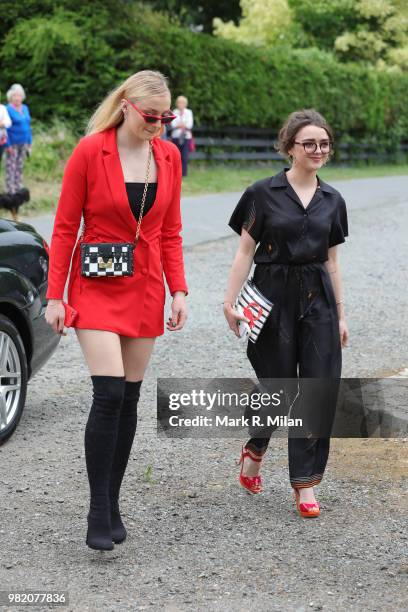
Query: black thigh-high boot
x=100, y=442
x=126, y=434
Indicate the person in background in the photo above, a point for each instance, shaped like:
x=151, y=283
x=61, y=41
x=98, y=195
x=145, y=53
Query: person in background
x=5, y=122
x=181, y=128
x=19, y=138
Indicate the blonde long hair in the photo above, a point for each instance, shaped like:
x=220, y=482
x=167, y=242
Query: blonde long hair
x=142, y=84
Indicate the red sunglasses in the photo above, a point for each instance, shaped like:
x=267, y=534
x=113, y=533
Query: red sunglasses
x=168, y=118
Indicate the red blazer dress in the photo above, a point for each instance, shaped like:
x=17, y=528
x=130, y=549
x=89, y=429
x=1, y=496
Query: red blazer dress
x=93, y=186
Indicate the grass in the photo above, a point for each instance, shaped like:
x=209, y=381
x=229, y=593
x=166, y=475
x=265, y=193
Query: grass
x=216, y=179
x=53, y=143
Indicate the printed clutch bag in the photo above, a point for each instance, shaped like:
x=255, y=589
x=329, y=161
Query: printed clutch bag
x=112, y=258
x=107, y=259
x=255, y=306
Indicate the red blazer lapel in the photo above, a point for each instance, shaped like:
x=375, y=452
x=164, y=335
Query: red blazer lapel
x=164, y=185
x=115, y=178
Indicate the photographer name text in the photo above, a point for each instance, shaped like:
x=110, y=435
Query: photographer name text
x=225, y=421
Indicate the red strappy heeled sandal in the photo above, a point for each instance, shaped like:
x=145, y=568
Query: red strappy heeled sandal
x=252, y=484
x=306, y=510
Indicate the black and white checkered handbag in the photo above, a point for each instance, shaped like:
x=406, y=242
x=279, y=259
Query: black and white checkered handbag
x=107, y=259
x=112, y=258
x=255, y=306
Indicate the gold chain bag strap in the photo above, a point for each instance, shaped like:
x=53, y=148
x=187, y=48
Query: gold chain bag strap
x=112, y=258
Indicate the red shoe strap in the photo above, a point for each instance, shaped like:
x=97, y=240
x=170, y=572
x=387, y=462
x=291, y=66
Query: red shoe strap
x=248, y=453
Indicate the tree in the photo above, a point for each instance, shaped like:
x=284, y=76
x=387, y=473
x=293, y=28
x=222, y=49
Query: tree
x=322, y=21
x=373, y=31
x=199, y=15
x=264, y=22
x=67, y=60
x=380, y=33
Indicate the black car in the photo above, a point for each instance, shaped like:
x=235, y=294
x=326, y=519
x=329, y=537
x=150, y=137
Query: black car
x=26, y=339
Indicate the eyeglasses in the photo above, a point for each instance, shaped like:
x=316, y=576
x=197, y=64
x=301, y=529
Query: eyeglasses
x=167, y=118
x=311, y=147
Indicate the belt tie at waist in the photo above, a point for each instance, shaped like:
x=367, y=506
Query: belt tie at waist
x=299, y=269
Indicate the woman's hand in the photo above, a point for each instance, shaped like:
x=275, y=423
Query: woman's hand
x=55, y=316
x=178, y=312
x=344, y=333
x=233, y=316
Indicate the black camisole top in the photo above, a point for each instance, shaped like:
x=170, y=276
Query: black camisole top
x=135, y=193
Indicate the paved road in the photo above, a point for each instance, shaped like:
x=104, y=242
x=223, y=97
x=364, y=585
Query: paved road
x=196, y=541
x=205, y=217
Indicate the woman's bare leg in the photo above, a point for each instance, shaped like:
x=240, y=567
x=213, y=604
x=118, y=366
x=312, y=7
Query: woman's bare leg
x=102, y=352
x=136, y=353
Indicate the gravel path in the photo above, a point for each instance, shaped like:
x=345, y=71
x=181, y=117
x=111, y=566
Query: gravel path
x=196, y=540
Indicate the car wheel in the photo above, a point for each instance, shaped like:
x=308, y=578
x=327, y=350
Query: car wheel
x=13, y=377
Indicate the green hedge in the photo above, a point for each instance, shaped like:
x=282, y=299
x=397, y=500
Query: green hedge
x=227, y=84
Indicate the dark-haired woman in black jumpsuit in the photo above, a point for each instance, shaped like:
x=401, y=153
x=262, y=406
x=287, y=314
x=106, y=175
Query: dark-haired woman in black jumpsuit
x=297, y=221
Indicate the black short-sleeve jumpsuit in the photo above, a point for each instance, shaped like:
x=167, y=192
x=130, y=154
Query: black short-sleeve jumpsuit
x=301, y=336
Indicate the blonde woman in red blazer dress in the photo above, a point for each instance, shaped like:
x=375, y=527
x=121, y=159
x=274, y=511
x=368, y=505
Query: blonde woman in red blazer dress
x=118, y=318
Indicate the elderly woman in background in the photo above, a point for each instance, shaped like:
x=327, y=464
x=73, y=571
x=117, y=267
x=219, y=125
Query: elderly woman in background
x=181, y=127
x=19, y=136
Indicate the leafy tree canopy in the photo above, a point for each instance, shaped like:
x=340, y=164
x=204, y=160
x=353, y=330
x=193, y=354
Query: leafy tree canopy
x=263, y=23
x=372, y=31
x=199, y=15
